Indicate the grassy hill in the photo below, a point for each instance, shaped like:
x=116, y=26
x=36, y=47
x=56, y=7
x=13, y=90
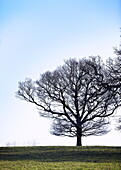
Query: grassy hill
x=60, y=157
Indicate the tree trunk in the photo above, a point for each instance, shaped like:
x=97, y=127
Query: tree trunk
x=79, y=132
x=79, y=136
x=79, y=140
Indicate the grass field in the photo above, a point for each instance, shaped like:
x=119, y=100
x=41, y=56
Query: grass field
x=60, y=158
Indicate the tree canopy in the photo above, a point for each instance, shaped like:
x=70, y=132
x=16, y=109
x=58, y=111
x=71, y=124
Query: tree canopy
x=79, y=96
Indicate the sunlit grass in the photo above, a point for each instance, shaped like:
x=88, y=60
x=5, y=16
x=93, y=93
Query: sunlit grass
x=33, y=165
x=60, y=157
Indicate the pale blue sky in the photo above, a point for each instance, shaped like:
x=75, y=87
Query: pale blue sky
x=36, y=36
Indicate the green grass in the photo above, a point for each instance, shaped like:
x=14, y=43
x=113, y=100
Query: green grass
x=60, y=158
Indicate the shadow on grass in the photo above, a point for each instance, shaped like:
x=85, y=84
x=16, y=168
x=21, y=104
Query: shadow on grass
x=62, y=154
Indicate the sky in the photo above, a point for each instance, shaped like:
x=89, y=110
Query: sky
x=37, y=36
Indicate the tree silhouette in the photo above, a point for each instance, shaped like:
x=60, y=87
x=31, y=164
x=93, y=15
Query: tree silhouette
x=115, y=74
x=79, y=96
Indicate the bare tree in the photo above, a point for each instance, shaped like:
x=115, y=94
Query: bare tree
x=114, y=66
x=78, y=97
